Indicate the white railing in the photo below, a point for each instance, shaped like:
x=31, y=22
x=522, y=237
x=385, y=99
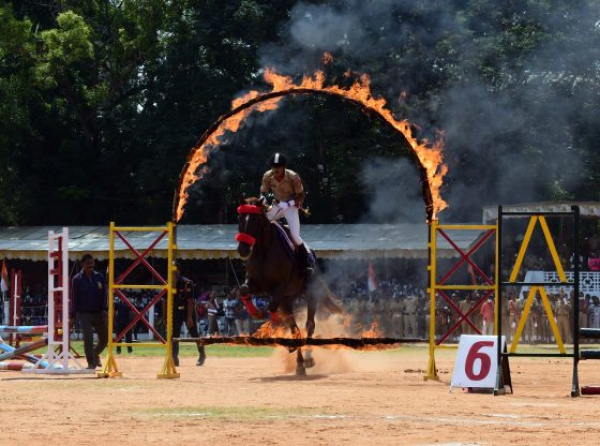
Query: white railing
x=589, y=281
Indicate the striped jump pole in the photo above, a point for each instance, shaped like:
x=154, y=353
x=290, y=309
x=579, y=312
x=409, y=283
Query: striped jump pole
x=23, y=352
x=15, y=366
x=23, y=329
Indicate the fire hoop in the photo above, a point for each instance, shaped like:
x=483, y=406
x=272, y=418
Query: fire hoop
x=428, y=158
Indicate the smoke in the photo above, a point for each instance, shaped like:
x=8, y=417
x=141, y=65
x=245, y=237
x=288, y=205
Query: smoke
x=510, y=120
x=393, y=188
x=333, y=360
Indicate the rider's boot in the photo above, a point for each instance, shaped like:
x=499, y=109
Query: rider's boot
x=305, y=261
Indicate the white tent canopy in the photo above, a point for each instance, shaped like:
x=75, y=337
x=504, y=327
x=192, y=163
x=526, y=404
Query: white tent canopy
x=341, y=241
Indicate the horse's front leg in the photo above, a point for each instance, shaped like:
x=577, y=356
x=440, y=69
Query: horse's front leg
x=311, y=309
x=245, y=289
x=277, y=310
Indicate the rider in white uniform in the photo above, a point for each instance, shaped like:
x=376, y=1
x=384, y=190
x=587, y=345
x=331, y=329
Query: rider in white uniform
x=288, y=193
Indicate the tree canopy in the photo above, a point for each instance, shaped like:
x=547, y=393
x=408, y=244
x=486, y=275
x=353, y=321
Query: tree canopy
x=101, y=102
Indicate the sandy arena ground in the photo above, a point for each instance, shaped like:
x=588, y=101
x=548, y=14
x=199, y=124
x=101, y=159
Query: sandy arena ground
x=349, y=398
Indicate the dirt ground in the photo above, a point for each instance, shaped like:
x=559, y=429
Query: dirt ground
x=354, y=398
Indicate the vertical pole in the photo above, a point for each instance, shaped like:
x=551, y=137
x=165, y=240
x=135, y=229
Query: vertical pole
x=65, y=299
x=499, y=279
x=111, y=284
x=169, y=370
x=170, y=269
x=110, y=368
x=432, y=371
x=150, y=314
x=51, y=303
x=18, y=290
x=575, y=382
x=5, y=309
x=58, y=291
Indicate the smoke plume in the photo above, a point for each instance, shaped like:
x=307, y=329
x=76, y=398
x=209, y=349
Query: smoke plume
x=509, y=133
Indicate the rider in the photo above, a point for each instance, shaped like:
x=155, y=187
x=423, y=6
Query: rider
x=288, y=192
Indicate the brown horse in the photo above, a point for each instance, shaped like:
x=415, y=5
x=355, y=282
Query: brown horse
x=272, y=269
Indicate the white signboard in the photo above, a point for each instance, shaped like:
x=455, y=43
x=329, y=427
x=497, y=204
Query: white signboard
x=476, y=362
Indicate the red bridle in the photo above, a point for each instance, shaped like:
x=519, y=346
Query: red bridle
x=247, y=209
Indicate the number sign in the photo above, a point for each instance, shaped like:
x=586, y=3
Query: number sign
x=476, y=362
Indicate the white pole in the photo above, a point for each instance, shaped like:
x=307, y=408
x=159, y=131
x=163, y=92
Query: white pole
x=65, y=299
x=15, y=298
x=51, y=242
x=151, y=321
x=6, y=307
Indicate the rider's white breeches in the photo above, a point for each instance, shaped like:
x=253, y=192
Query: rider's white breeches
x=292, y=218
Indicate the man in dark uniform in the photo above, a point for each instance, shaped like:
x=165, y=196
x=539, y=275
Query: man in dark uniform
x=89, y=303
x=184, y=311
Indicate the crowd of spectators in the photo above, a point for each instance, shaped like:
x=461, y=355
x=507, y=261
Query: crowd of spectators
x=34, y=307
x=399, y=307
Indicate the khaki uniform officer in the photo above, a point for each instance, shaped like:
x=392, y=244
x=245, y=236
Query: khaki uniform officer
x=410, y=316
x=287, y=188
x=464, y=306
x=563, y=310
x=514, y=314
x=396, y=309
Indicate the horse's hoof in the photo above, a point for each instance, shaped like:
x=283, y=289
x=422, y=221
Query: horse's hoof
x=300, y=371
x=309, y=362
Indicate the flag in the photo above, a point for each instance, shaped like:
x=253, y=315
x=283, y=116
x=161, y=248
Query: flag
x=371, y=282
x=4, y=282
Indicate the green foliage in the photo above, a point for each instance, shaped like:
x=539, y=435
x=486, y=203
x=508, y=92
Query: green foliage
x=101, y=101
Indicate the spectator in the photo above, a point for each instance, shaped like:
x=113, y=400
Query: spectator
x=231, y=309
x=202, y=313
x=214, y=309
x=185, y=313
x=563, y=318
x=89, y=304
x=584, y=311
x=487, y=315
x=595, y=313
x=594, y=261
x=465, y=306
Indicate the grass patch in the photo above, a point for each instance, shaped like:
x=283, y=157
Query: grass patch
x=244, y=351
x=236, y=413
x=217, y=351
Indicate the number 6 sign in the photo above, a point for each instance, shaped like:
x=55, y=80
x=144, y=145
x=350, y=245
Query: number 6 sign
x=476, y=362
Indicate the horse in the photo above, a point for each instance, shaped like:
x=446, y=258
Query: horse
x=272, y=268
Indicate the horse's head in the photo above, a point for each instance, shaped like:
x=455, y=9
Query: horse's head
x=252, y=218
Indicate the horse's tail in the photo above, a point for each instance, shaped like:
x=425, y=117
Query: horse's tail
x=326, y=298
x=333, y=304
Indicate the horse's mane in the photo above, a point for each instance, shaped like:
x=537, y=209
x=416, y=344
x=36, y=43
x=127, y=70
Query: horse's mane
x=255, y=201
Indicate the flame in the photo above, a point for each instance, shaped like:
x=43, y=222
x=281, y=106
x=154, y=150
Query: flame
x=327, y=58
x=373, y=332
x=429, y=154
x=267, y=330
